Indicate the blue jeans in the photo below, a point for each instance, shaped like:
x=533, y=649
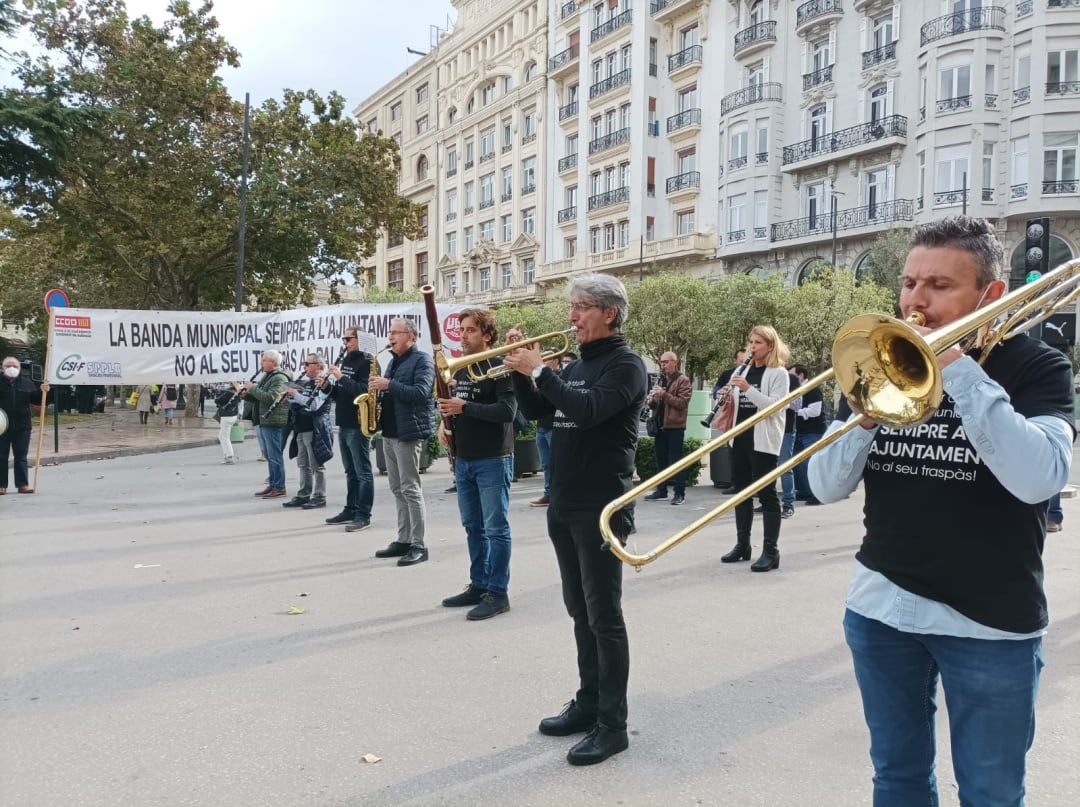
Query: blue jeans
x=787, y=481
x=543, y=445
x=359, y=484
x=483, y=494
x=1055, y=513
x=802, y=481
x=272, y=443
x=990, y=688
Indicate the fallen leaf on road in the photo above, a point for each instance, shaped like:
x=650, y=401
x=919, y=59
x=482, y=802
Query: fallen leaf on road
x=302, y=594
x=293, y=610
x=371, y=758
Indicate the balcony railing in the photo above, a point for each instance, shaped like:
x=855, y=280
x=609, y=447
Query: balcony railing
x=506, y=197
x=988, y=194
x=610, y=83
x=822, y=224
x=734, y=236
x=616, y=22
x=1063, y=88
x=568, y=9
x=527, y=189
x=761, y=232
x=469, y=164
x=489, y=156
x=948, y=198
x=567, y=214
x=886, y=53
x=984, y=18
x=735, y=163
x=609, y=198
x=684, y=57
x=568, y=111
x=1021, y=95
x=1062, y=186
x=619, y=138
x=1023, y=8
x=822, y=76
x=1063, y=3
x=1018, y=191
x=755, y=93
x=468, y=211
x=762, y=158
x=891, y=126
x=762, y=32
x=564, y=57
x=486, y=203
x=451, y=215
x=953, y=104
x=990, y=101
x=527, y=139
x=688, y=117
x=451, y=172
x=507, y=147
x=691, y=179
x=814, y=9
x=567, y=162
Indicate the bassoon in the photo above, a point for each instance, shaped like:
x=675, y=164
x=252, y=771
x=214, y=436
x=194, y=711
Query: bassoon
x=442, y=370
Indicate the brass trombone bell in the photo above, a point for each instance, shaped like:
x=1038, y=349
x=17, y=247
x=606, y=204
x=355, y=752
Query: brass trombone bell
x=449, y=367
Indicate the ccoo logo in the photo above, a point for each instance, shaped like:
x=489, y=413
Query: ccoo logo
x=68, y=367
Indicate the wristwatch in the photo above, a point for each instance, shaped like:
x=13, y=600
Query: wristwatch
x=537, y=370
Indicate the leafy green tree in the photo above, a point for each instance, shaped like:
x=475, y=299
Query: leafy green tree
x=670, y=312
x=739, y=302
x=146, y=207
x=535, y=319
x=885, y=262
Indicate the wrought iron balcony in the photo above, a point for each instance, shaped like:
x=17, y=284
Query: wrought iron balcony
x=527, y=189
x=891, y=126
x=948, y=198
x=568, y=9
x=615, y=23
x=506, y=197
x=761, y=232
x=983, y=18
x=690, y=55
x=1062, y=186
x=988, y=194
x=619, y=138
x=754, y=35
x=755, y=93
x=823, y=224
x=1021, y=95
x=886, y=53
x=990, y=101
x=567, y=214
x=1018, y=191
x=612, y=197
x=691, y=179
x=762, y=158
x=735, y=163
x=1063, y=3
x=469, y=163
x=610, y=83
x=1063, y=88
x=507, y=147
x=735, y=236
x=1023, y=8
x=688, y=117
x=568, y=111
x=451, y=216
x=451, y=172
x=468, y=211
x=808, y=12
x=527, y=139
x=567, y=162
x=563, y=58
x=489, y=156
x=953, y=104
x=822, y=76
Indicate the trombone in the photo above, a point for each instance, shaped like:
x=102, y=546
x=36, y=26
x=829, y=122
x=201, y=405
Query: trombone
x=448, y=367
x=886, y=370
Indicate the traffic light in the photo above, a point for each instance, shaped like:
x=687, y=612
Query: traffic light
x=1037, y=249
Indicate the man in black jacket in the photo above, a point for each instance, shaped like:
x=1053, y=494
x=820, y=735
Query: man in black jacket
x=483, y=414
x=309, y=420
x=17, y=395
x=345, y=382
x=596, y=401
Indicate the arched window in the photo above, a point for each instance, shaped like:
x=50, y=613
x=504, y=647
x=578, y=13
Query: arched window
x=1059, y=254
x=421, y=168
x=470, y=106
x=758, y=272
x=530, y=72
x=863, y=267
x=809, y=269
x=451, y=115
x=879, y=105
x=757, y=12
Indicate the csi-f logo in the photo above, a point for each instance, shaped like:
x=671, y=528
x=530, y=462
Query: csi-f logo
x=68, y=367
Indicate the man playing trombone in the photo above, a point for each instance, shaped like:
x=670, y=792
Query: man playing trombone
x=595, y=402
x=949, y=578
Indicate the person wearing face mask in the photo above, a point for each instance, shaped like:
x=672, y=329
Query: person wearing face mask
x=948, y=581
x=17, y=395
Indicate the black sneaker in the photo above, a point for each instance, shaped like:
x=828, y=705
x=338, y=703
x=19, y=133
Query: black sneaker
x=470, y=596
x=357, y=525
x=787, y=512
x=656, y=496
x=679, y=499
x=311, y=504
x=491, y=604
x=295, y=501
x=340, y=518
x=451, y=489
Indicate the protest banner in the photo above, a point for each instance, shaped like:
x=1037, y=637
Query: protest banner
x=106, y=346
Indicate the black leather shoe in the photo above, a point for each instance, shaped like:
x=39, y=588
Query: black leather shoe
x=491, y=604
x=295, y=501
x=598, y=745
x=311, y=504
x=451, y=489
x=394, y=550
x=656, y=496
x=358, y=525
x=571, y=720
x=679, y=499
x=416, y=554
x=470, y=596
x=340, y=518
x=740, y=552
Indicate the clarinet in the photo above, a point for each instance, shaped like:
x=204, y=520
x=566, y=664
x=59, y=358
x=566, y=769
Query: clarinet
x=320, y=382
x=724, y=393
x=239, y=392
x=280, y=398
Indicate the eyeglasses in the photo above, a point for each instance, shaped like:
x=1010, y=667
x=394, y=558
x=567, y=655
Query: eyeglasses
x=310, y=362
x=582, y=307
x=398, y=333
x=347, y=338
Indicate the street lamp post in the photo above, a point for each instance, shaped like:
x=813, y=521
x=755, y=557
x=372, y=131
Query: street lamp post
x=833, y=210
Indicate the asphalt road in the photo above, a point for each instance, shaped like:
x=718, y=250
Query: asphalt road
x=148, y=657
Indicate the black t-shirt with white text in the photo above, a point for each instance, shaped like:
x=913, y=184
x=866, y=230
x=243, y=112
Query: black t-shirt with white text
x=485, y=429
x=748, y=408
x=812, y=425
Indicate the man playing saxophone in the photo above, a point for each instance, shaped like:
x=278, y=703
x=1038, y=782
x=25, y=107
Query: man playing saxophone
x=344, y=382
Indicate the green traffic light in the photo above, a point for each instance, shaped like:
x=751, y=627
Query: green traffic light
x=1032, y=277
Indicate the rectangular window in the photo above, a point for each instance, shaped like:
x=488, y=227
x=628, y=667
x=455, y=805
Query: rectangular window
x=529, y=125
x=1062, y=68
x=485, y=279
x=922, y=178
x=954, y=82
x=822, y=55
x=507, y=275
x=469, y=154
x=421, y=269
x=684, y=222
x=650, y=228
x=373, y=126
x=466, y=281
x=528, y=175
x=609, y=236
x=421, y=124
x=1020, y=161
x=470, y=197
x=528, y=271
x=507, y=183
x=761, y=214
x=528, y=220
x=451, y=162
x=570, y=247
x=422, y=221
x=1059, y=158
x=421, y=93
x=487, y=94
x=450, y=285
x=738, y=146
x=451, y=205
x=395, y=111
x=487, y=190
x=451, y=243
x=469, y=239
x=950, y=168
x=487, y=230
x=815, y=204
x=988, y=171
x=507, y=228
x=622, y=234
x=507, y=135
x=487, y=144
x=594, y=239
x=736, y=222
x=395, y=275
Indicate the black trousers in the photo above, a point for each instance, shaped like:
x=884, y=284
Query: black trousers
x=592, y=592
x=17, y=441
x=747, y=466
x=669, y=450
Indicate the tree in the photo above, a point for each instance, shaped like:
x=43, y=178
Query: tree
x=668, y=312
x=145, y=211
x=536, y=319
x=885, y=262
x=739, y=302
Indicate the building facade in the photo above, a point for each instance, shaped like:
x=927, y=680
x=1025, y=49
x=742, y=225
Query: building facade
x=723, y=136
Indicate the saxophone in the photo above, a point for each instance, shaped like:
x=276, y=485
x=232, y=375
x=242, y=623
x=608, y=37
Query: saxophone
x=368, y=410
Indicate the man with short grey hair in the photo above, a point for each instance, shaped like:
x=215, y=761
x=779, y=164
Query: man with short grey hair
x=270, y=416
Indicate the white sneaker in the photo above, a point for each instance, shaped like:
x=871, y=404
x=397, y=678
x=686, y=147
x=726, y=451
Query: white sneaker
x=228, y=461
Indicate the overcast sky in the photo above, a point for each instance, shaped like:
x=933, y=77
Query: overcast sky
x=352, y=46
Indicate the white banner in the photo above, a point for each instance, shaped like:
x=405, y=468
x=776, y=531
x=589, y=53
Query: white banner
x=103, y=346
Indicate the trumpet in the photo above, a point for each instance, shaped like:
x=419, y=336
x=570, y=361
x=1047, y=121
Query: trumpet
x=448, y=368
x=888, y=372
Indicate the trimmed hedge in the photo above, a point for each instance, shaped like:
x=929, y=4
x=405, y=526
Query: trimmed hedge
x=645, y=461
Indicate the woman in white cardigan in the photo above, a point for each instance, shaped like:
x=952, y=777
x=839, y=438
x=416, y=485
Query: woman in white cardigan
x=754, y=453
